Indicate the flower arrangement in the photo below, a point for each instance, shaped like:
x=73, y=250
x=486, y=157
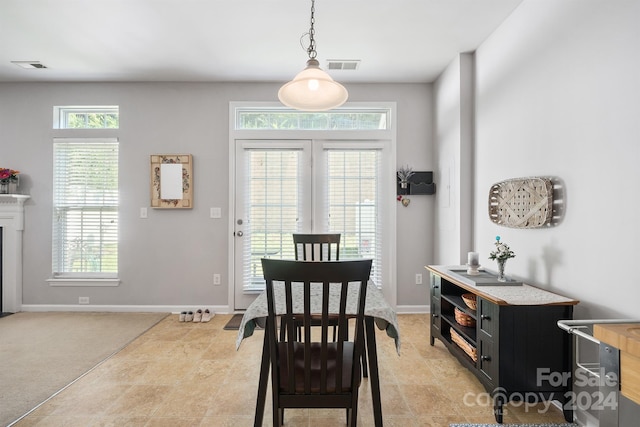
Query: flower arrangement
x=8, y=175
x=502, y=252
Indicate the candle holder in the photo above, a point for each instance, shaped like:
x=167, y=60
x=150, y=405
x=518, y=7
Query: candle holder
x=473, y=263
x=472, y=270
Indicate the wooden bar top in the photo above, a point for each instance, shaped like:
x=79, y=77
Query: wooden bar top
x=626, y=338
x=623, y=336
x=501, y=294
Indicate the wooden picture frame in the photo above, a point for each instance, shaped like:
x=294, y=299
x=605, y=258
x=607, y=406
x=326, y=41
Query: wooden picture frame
x=172, y=181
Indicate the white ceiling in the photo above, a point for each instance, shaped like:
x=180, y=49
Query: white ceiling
x=397, y=41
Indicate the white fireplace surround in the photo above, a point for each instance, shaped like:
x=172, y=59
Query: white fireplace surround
x=12, y=223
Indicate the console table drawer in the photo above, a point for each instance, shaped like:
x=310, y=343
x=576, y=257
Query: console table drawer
x=488, y=317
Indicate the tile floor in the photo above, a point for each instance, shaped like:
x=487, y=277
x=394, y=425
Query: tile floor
x=189, y=374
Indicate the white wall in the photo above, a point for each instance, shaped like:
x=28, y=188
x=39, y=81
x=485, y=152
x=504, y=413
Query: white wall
x=169, y=259
x=558, y=95
x=453, y=97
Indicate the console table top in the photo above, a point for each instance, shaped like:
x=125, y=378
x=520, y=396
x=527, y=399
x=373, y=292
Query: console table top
x=501, y=294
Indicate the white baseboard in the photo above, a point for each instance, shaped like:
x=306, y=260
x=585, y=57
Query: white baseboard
x=221, y=309
x=413, y=309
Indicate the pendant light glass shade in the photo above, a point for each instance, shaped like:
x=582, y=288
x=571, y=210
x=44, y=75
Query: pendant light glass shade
x=313, y=89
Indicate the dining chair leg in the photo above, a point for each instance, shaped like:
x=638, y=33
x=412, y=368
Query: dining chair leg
x=277, y=412
x=353, y=416
x=283, y=330
x=365, y=371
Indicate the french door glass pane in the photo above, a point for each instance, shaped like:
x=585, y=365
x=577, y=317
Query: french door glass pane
x=272, y=209
x=353, y=204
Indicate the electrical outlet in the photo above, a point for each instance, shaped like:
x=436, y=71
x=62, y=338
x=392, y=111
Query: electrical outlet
x=216, y=279
x=83, y=300
x=418, y=278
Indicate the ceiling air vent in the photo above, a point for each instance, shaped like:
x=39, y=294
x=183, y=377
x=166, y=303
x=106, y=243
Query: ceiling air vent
x=29, y=64
x=335, y=64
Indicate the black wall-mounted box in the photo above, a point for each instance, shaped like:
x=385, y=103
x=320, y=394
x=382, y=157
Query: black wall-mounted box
x=419, y=183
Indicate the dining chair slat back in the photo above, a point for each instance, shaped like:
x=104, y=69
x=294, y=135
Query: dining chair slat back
x=316, y=372
x=317, y=247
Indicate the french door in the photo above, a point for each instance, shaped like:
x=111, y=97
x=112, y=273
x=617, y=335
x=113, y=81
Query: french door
x=288, y=186
x=272, y=201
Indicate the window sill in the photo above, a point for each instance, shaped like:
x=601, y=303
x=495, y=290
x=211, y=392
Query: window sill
x=84, y=282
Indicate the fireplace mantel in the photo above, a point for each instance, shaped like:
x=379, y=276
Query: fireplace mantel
x=12, y=223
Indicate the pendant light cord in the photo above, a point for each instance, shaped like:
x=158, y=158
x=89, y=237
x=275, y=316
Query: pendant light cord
x=312, y=41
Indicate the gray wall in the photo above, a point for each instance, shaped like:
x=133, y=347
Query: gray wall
x=168, y=260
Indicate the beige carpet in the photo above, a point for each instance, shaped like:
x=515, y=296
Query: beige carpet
x=41, y=353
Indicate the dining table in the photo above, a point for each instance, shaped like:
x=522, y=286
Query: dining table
x=378, y=312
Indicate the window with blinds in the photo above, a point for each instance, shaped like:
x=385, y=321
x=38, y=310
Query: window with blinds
x=85, y=208
x=352, y=204
x=272, y=207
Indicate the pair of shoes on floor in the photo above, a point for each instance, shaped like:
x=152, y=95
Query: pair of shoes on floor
x=197, y=317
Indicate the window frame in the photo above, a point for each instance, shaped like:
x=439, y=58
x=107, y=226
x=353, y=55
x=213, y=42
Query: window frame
x=61, y=115
x=65, y=278
x=326, y=120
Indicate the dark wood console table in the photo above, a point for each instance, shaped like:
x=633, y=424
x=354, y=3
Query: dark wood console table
x=511, y=341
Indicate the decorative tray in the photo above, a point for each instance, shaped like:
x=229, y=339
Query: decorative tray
x=483, y=278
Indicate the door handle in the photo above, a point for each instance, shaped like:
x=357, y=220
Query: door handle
x=239, y=233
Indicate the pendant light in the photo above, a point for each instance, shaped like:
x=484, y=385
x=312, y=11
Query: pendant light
x=312, y=89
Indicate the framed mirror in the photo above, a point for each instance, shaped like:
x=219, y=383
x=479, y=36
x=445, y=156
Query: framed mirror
x=172, y=181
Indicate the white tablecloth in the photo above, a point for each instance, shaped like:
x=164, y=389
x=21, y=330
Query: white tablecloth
x=375, y=306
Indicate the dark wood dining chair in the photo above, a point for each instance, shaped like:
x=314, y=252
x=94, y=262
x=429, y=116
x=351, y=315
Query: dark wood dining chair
x=317, y=247
x=315, y=372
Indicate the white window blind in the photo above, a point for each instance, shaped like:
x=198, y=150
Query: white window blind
x=85, y=211
x=353, y=204
x=272, y=206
